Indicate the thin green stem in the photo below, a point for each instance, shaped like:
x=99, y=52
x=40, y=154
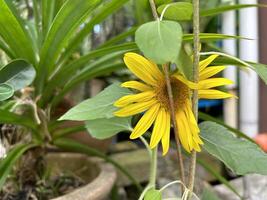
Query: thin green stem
x=153, y=167
x=195, y=92
x=154, y=9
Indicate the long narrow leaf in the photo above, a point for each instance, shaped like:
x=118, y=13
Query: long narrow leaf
x=11, y=158
x=74, y=146
x=106, y=10
x=222, y=9
x=69, y=18
x=14, y=33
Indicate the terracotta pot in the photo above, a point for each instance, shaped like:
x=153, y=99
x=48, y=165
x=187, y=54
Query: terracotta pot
x=100, y=176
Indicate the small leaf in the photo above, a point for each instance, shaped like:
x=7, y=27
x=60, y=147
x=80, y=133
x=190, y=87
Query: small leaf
x=106, y=128
x=261, y=70
x=98, y=107
x=153, y=194
x=241, y=156
x=160, y=41
x=6, y=91
x=18, y=74
x=177, y=11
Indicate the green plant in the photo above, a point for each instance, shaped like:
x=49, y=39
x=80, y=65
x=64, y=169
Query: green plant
x=44, y=48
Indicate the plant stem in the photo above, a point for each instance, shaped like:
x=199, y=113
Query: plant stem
x=175, y=126
x=153, y=167
x=154, y=9
x=169, y=88
x=195, y=92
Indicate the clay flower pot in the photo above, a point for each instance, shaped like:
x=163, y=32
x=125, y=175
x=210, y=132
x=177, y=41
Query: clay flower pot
x=100, y=176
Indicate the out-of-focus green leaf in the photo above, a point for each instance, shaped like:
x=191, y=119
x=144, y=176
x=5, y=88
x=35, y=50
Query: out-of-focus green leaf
x=18, y=74
x=14, y=33
x=6, y=91
x=100, y=106
x=8, y=162
x=222, y=9
x=209, y=194
x=103, y=12
x=241, y=156
x=185, y=64
x=106, y=128
x=206, y=37
x=68, y=19
x=160, y=41
x=177, y=11
x=7, y=117
x=153, y=194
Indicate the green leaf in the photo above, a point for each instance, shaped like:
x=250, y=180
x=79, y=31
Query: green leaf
x=6, y=91
x=160, y=41
x=209, y=194
x=185, y=64
x=8, y=162
x=207, y=37
x=160, y=2
x=153, y=194
x=18, y=74
x=106, y=128
x=68, y=19
x=100, y=106
x=241, y=156
x=261, y=70
x=7, y=117
x=74, y=146
x=237, y=132
x=218, y=176
x=222, y=9
x=177, y=11
x=14, y=32
x=100, y=14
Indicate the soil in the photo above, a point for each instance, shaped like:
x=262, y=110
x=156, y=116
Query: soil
x=43, y=189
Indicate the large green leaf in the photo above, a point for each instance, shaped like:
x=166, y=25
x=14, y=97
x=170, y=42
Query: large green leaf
x=185, y=64
x=177, y=11
x=153, y=194
x=68, y=19
x=222, y=9
x=106, y=128
x=8, y=162
x=14, y=33
x=6, y=91
x=241, y=156
x=74, y=146
x=160, y=41
x=102, y=13
x=100, y=106
x=18, y=74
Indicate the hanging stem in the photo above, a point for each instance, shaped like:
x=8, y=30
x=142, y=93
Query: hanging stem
x=175, y=127
x=195, y=92
x=169, y=89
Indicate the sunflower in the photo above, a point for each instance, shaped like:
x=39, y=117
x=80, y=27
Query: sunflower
x=152, y=99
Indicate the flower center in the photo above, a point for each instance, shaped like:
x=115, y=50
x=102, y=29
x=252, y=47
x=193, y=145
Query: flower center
x=180, y=94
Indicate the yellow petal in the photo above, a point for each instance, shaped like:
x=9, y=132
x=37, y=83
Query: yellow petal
x=135, y=108
x=143, y=68
x=165, y=140
x=159, y=129
x=190, y=84
x=133, y=98
x=210, y=71
x=182, y=130
x=214, y=82
x=213, y=94
x=145, y=122
x=204, y=63
x=136, y=85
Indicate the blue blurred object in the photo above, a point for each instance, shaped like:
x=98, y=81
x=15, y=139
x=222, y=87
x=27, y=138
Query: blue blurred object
x=209, y=103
